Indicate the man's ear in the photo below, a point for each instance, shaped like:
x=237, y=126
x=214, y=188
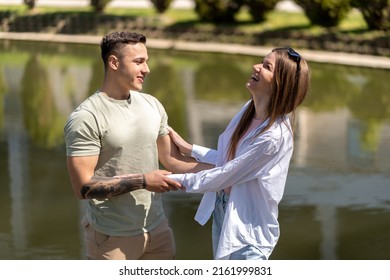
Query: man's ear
x=113, y=62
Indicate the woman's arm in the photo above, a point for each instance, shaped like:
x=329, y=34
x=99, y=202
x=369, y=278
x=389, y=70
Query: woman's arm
x=184, y=147
x=201, y=154
x=258, y=159
x=173, y=160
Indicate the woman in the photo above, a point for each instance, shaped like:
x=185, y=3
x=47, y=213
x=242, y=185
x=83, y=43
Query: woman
x=244, y=189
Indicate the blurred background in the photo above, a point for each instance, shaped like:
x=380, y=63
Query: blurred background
x=337, y=199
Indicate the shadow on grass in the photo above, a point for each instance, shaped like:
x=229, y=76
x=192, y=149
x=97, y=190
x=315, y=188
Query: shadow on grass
x=243, y=32
x=67, y=22
x=303, y=36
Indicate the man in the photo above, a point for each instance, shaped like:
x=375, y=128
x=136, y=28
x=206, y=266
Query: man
x=114, y=140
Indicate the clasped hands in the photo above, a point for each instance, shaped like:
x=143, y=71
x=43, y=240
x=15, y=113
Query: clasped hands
x=158, y=181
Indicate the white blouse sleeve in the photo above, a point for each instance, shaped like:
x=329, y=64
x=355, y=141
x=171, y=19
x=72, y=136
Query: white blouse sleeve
x=258, y=158
x=203, y=154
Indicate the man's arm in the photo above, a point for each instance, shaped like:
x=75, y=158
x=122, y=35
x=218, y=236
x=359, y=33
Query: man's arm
x=85, y=186
x=201, y=154
x=172, y=159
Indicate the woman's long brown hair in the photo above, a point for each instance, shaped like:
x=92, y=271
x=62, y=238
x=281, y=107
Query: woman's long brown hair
x=290, y=87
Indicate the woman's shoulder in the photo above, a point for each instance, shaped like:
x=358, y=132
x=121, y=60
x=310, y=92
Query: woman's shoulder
x=281, y=126
x=280, y=129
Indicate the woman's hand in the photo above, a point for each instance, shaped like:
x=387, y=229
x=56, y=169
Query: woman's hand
x=184, y=147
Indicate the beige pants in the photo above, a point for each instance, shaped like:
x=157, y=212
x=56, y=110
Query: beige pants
x=158, y=244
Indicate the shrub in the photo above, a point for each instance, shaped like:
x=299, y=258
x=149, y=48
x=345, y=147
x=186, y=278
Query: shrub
x=259, y=8
x=326, y=13
x=218, y=10
x=99, y=5
x=30, y=4
x=161, y=5
x=376, y=13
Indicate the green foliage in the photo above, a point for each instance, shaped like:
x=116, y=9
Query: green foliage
x=218, y=11
x=30, y=4
x=165, y=84
x=326, y=13
x=97, y=76
x=259, y=8
x=376, y=13
x=161, y=5
x=372, y=100
x=213, y=86
x=3, y=92
x=331, y=90
x=371, y=106
x=42, y=119
x=99, y=5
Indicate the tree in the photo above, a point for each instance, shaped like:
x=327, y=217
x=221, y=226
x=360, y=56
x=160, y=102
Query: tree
x=99, y=5
x=326, y=13
x=376, y=13
x=218, y=11
x=161, y=5
x=259, y=8
x=30, y=4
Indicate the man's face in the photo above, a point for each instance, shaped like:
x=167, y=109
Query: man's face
x=132, y=66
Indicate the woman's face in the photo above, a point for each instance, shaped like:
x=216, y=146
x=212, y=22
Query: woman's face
x=263, y=73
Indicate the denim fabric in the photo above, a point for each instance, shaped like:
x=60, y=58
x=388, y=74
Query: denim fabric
x=218, y=216
x=249, y=252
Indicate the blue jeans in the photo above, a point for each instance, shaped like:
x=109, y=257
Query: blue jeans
x=249, y=252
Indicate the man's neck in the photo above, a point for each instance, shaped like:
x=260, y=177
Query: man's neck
x=115, y=92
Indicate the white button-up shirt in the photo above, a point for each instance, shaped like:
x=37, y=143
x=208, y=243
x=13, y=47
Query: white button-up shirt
x=257, y=175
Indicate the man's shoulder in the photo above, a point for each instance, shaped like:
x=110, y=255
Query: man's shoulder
x=149, y=98
x=85, y=110
x=144, y=95
x=90, y=105
x=90, y=101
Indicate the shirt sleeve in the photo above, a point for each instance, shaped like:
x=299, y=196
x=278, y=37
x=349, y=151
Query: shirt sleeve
x=164, y=120
x=258, y=159
x=203, y=154
x=81, y=134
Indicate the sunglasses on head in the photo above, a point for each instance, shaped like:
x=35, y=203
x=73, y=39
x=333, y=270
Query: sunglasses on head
x=296, y=57
x=293, y=55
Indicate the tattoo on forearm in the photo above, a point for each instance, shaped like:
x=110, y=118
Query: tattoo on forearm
x=114, y=187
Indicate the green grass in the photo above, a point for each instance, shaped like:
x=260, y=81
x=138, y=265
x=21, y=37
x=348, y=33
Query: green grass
x=354, y=21
x=275, y=19
x=293, y=28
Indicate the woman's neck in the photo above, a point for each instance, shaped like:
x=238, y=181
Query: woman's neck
x=260, y=111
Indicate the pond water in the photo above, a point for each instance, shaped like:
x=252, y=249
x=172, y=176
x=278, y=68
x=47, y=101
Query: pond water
x=337, y=199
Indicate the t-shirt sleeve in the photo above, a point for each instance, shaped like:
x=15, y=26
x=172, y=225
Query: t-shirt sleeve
x=164, y=120
x=82, y=134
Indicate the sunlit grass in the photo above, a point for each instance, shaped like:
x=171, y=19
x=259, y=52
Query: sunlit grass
x=275, y=20
x=354, y=21
x=22, y=9
x=133, y=12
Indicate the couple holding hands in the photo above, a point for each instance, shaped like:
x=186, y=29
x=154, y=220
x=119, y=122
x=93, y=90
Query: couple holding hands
x=117, y=137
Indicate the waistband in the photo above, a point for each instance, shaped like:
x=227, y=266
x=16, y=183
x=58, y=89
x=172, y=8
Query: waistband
x=223, y=196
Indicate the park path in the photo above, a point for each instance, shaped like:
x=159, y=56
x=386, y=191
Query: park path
x=311, y=55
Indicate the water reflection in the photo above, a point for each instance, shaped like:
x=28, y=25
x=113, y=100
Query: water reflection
x=337, y=200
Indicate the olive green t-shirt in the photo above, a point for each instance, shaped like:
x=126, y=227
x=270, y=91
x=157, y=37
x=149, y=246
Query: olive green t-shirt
x=123, y=133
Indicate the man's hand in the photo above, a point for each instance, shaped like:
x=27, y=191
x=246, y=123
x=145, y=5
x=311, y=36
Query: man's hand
x=157, y=181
